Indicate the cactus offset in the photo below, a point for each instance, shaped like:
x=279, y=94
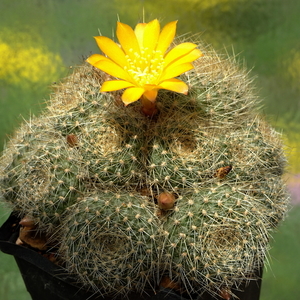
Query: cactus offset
x=92, y=172
x=111, y=241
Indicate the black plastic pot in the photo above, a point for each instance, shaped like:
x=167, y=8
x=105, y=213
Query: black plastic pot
x=47, y=281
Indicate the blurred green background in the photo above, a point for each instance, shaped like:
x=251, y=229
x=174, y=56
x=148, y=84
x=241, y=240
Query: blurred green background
x=40, y=40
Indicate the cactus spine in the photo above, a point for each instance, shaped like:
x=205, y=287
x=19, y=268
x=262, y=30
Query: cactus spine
x=89, y=171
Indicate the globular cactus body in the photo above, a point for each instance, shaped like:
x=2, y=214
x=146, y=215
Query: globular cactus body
x=89, y=171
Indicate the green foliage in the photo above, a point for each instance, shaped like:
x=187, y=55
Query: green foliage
x=277, y=280
x=291, y=141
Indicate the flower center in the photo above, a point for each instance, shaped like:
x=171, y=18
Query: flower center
x=145, y=67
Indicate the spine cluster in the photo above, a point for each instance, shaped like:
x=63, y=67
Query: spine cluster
x=89, y=172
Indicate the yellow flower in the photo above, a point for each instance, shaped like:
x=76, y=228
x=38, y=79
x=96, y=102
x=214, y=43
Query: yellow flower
x=142, y=61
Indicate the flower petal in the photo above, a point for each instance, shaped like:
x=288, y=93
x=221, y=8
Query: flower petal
x=114, y=85
x=151, y=94
x=179, y=51
x=132, y=94
x=93, y=59
x=151, y=34
x=139, y=33
x=112, y=69
x=166, y=37
x=190, y=57
x=175, y=85
x=127, y=39
x=172, y=72
x=112, y=50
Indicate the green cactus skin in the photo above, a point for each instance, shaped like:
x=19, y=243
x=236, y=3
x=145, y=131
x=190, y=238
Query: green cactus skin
x=113, y=241
x=89, y=169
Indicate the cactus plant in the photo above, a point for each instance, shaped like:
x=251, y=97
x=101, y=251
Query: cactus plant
x=190, y=191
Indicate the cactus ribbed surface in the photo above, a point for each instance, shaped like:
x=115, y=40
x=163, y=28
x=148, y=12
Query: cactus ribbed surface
x=89, y=172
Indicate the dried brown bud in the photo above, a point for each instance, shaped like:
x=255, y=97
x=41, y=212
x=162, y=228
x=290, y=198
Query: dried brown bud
x=27, y=222
x=32, y=238
x=166, y=282
x=72, y=140
x=223, y=171
x=225, y=293
x=166, y=200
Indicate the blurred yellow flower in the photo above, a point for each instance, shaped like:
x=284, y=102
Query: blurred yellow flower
x=26, y=61
x=142, y=61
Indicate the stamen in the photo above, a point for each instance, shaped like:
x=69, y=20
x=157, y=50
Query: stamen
x=146, y=67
